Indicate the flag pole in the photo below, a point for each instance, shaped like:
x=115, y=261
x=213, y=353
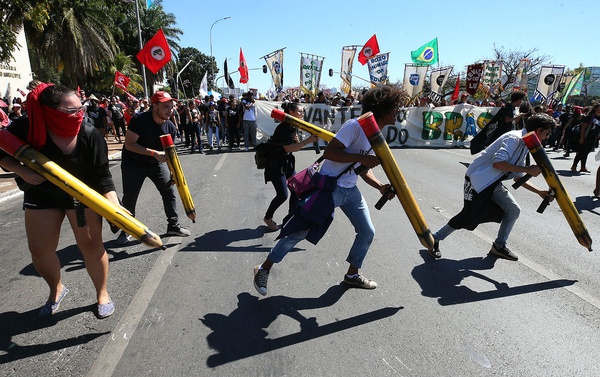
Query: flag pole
x=137, y=15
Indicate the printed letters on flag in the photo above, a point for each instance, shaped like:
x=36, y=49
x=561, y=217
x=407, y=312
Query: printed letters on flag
x=378, y=69
x=310, y=73
x=426, y=54
x=243, y=68
x=156, y=53
x=121, y=81
x=474, y=74
x=228, y=79
x=371, y=48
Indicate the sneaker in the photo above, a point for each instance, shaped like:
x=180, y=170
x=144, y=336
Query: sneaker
x=261, y=276
x=52, y=307
x=360, y=281
x=123, y=239
x=435, y=253
x=271, y=224
x=503, y=252
x=177, y=230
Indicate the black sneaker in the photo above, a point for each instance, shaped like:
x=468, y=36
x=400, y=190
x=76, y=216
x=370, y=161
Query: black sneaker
x=261, y=276
x=360, y=282
x=177, y=230
x=435, y=253
x=503, y=252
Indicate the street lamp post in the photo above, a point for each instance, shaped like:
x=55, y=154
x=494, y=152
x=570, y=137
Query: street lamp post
x=212, y=72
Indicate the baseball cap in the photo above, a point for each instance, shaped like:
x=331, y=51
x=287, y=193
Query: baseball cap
x=161, y=96
x=16, y=104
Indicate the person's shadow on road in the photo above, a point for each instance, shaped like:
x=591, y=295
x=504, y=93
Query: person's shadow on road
x=242, y=333
x=443, y=279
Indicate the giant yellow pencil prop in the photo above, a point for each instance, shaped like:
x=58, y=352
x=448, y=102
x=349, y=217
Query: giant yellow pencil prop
x=393, y=173
x=560, y=193
x=77, y=189
x=281, y=116
x=178, y=177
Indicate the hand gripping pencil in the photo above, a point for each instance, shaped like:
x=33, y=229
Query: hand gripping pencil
x=558, y=190
x=393, y=173
x=178, y=177
x=77, y=189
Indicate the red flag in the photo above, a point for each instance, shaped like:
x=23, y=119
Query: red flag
x=121, y=81
x=156, y=53
x=456, y=89
x=370, y=49
x=474, y=74
x=243, y=68
x=130, y=96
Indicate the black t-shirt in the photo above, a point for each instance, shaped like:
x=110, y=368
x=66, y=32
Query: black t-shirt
x=97, y=115
x=149, y=133
x=116, y=111
x=233, y=114
x=88, y=162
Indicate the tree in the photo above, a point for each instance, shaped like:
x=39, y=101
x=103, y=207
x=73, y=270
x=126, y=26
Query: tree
x=511, y=60
x=151, y=20
x=126, y=65
x=194, y=72
x=75, y=37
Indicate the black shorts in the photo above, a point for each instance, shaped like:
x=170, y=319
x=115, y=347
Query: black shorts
x=46, y=199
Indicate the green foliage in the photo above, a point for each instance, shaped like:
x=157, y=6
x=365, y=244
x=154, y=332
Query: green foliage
x=192, y=76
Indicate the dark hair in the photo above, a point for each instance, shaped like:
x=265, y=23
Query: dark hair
x=517, y=95
x=382, y=99
x=53, y=95
x=540, y=120
x=290, y=106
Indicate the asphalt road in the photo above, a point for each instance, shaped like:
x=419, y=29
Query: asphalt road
x=192, y=310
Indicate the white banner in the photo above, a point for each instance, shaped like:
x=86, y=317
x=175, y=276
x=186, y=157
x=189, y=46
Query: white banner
x=378, y=69
x=448, y=126
x=437, y=81
x=550, y=77
x=348, y=53
x=310, y=73
x=414, y=78
x=275, y=63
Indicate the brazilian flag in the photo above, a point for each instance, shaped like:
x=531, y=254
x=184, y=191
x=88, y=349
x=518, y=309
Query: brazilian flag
x=426, y=54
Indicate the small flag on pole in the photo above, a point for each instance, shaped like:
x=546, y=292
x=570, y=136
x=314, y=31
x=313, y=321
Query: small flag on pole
x=156, y=53
x=426, y=54
x=243, y=68
x=370, y=49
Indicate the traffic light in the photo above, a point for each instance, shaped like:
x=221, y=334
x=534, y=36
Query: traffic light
x=264, y=68
x=330, y=72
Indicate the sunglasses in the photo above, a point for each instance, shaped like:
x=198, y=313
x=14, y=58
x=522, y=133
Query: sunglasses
x=72, y=111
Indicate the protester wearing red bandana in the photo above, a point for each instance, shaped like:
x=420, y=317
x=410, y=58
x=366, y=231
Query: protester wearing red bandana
x=55, y=126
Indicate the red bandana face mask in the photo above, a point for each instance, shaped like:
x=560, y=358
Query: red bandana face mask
x=43, y=118
x=62, y=124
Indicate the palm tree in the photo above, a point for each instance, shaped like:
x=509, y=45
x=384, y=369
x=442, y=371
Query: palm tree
x=124, y=64
x=76, y=39
x=151, y=20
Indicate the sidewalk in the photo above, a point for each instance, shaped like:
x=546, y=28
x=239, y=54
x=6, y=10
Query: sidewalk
x=9, y=189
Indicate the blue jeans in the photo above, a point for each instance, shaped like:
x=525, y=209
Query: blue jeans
x=507, y=202
x=352, y=203
x=249, y=132
x=213, y=129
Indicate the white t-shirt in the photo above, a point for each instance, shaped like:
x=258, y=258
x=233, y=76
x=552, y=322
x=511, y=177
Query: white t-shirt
x=353, y=137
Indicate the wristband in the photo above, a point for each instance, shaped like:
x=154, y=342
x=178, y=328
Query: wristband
x=152, y=152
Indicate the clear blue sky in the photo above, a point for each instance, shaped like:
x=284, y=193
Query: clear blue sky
x=566, y=31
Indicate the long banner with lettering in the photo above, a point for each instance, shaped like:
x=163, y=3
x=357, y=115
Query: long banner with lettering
x=440, y=127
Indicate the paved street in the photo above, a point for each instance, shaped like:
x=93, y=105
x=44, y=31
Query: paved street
x=192, y=310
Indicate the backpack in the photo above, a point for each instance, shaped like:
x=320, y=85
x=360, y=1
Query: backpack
x=267, y=152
